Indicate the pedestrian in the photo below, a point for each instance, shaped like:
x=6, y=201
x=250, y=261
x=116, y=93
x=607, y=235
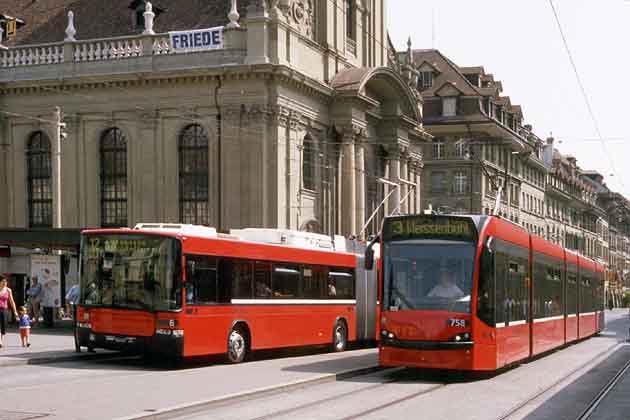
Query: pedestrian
x=49, y=298
x=72, y=297
x=35, y=298
x=25, y=327
x=6, y=300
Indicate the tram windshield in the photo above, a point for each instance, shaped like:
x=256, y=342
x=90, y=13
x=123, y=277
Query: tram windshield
x=131, y=272
x=428, y=275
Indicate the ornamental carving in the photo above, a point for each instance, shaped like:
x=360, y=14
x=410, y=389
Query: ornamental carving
x=303, y=16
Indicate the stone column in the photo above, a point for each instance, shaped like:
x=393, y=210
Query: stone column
x=404, y=188
x=257, y=33
x=394, y=176
x=4, y=168
x=360, y=182
x=348, y=181
x=418, y=181
x=386, y=188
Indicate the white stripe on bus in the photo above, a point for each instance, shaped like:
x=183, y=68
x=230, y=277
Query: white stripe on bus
x=294, y=301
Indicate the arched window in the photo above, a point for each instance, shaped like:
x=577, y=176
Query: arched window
x=309, y=152
x=113, y=152
x=193, y=175
x=38, y=162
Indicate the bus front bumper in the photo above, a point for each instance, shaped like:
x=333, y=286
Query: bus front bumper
x=171, y=345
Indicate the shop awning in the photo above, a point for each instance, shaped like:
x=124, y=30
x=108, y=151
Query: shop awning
x=63, y=239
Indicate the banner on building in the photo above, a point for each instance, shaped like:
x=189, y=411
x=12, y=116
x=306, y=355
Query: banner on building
x=47, y=268
x=196, y=40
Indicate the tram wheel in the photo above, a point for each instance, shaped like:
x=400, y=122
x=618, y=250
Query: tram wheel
x=340, y=337
x=236, y=346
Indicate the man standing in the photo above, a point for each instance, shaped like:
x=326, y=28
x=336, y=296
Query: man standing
x=72, y=297
x=34, y=298
x=49, y=301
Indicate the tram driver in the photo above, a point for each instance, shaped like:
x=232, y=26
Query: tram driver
x=446, y=287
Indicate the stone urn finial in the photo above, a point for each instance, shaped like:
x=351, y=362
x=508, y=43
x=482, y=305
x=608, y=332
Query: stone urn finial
x=233, y=16
x=70, y=30
x=148, y=19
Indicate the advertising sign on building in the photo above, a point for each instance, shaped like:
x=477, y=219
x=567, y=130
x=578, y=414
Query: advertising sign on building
x=196, y=40
x=47, y=268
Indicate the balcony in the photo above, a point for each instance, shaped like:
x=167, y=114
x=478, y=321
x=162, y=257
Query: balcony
x=119, y=55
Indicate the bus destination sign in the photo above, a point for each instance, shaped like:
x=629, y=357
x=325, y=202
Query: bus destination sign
x=429, y=227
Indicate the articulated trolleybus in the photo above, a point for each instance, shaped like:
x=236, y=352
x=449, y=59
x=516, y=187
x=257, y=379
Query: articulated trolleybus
x=479, y=293
x=184, y=290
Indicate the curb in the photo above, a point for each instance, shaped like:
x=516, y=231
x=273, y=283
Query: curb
x=52, y=359
x=200, y=406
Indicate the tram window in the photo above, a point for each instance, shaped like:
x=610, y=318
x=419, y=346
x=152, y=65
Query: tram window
x=286, y=281
x=540, y=289
x=341, y=283
x=242, y=280
x=262, y=279
x=485, y=294
x=500, y=273
x=201, y=275
x=571, y=292
x=313, y=282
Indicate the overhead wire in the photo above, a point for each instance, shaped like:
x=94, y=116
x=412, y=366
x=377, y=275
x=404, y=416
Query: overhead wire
x=585, y=95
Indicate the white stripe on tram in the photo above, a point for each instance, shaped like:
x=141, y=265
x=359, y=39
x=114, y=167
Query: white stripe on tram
x=511, y=324
x=294, y=301
x=571, y=315
x=587, y=313
x=549, y=318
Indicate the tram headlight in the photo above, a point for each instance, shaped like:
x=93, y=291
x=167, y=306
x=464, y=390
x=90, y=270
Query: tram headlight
x=384, y=333
x=462, y=337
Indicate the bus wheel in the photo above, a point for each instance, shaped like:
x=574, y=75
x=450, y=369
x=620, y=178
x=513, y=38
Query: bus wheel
x=237, y=346
x=340, y=337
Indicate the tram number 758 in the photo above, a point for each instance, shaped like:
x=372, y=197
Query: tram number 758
x=459, y=323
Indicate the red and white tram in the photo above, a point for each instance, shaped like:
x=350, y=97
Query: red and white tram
x=479, y=293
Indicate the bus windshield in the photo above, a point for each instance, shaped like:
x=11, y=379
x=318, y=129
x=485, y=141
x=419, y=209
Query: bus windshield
x=131, y=272
x=428, y=275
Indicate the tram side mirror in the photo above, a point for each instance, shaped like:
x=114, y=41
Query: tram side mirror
x=490, y=244
x=369, y=258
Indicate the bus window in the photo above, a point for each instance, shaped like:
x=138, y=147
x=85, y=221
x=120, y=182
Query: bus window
x=340, y=284
x=242, y=280
x=286, y=281
x=262, y=279
x=313, y=281
x=201, y=275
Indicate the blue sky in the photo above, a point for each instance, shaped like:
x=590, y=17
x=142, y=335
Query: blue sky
x=519, y=42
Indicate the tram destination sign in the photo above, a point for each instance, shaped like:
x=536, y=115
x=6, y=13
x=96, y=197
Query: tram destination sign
x=429, y=227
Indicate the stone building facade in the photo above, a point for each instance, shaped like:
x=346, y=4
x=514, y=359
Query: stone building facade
x=290, y=124
x=481, y=142
x=479, y=139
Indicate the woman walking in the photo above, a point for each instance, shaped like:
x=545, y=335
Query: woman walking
x=6, y=300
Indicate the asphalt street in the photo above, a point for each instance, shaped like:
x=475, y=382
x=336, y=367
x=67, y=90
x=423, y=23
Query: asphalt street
x=307, y=385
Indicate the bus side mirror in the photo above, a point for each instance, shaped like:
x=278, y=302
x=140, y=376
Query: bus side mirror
x=369, y=258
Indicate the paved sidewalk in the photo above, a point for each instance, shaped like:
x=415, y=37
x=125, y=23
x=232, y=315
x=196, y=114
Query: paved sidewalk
x=47, y=345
